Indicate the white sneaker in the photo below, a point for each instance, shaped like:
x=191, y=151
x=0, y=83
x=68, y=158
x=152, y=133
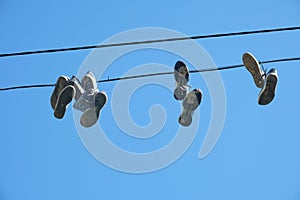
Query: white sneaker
x=88, y=81
x=90, y=89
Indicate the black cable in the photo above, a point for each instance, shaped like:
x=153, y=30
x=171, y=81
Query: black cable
x=150, y=41
x=27, y=86
x=157, y=74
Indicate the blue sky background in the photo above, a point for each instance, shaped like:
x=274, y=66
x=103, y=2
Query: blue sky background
x=257, y=156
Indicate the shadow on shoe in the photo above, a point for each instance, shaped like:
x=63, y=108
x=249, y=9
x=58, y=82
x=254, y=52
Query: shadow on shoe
x=91, y=115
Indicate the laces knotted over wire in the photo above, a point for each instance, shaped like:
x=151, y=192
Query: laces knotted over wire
x=265, y=69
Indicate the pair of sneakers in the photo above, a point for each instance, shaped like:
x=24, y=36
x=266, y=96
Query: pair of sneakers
x=88, y=99
x=266, y=81
x=191, y=100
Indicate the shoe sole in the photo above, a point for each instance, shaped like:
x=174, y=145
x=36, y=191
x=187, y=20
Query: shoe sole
x=185, y=118
x=268, y=92
x=64, y=99
x=179, y=93
x=192, y=104
x=187, y=115
x=253, y=67
x=181, y=81
x=60, y=84
x=179, y=69
x=90, y=117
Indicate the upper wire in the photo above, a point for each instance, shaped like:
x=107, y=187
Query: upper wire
x=149, y=41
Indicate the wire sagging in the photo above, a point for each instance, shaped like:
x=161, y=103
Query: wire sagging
x=158, y=74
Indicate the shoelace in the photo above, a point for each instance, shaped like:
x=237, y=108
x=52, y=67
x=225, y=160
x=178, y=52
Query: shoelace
x=265, y=69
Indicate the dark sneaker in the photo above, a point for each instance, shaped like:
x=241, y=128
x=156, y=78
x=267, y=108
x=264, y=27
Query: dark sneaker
x=267, y=93
x=190, y=104
x=91, y=115
x=60, y=84
x=254, y=68
x=64, y=98
x=181, y=75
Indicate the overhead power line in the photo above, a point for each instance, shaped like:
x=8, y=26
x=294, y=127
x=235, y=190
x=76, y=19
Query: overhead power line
x=150, y=41
x=158, y=74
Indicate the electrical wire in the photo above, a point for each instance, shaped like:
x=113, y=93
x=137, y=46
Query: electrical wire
x=150, y=41
x=158, y=74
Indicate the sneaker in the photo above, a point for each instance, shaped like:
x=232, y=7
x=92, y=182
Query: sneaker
x=89, y=81
x=78, y=87
x=189, y=104
x=60, y=84
x=267, y=93
x=181, y=75
x=64, y=98
x=91, y=115
x=180, y=92
x=254, y=68
x=86, y=101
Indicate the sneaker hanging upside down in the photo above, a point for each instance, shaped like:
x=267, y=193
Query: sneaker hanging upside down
x=181, y=75
x=266, y=81
x=88, y=98
x=190, y=103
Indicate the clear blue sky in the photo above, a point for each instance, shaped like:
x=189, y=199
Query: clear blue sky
x=256, y=157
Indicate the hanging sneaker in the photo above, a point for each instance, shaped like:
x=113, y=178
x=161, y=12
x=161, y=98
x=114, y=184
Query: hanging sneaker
x=267, y=93
x=254, y=68
x=64, y=98
x=180, y=92
x=78, y=87
x=90, y=89
x=89, y=81
x=85, y=101
x=91, y=115
x=189, y=104
x=60, y=84
x=181, y=75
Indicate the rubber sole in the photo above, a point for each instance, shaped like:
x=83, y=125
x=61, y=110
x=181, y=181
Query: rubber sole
x=181, y=76
x=179, y=93
x=189, y=104
x=253, y=67
x=181, y=73
x=64, y=98
x=267, y=94
x=60, y=84
x=185, y=119
x=90, y=117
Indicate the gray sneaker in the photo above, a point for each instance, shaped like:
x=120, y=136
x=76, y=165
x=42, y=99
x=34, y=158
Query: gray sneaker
x=267, y=93
x=180, y=92
x=190, y=104
x=181, y=75
x=59, y=86
x=91, y=115
x=64, y=98
x=254, y=68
